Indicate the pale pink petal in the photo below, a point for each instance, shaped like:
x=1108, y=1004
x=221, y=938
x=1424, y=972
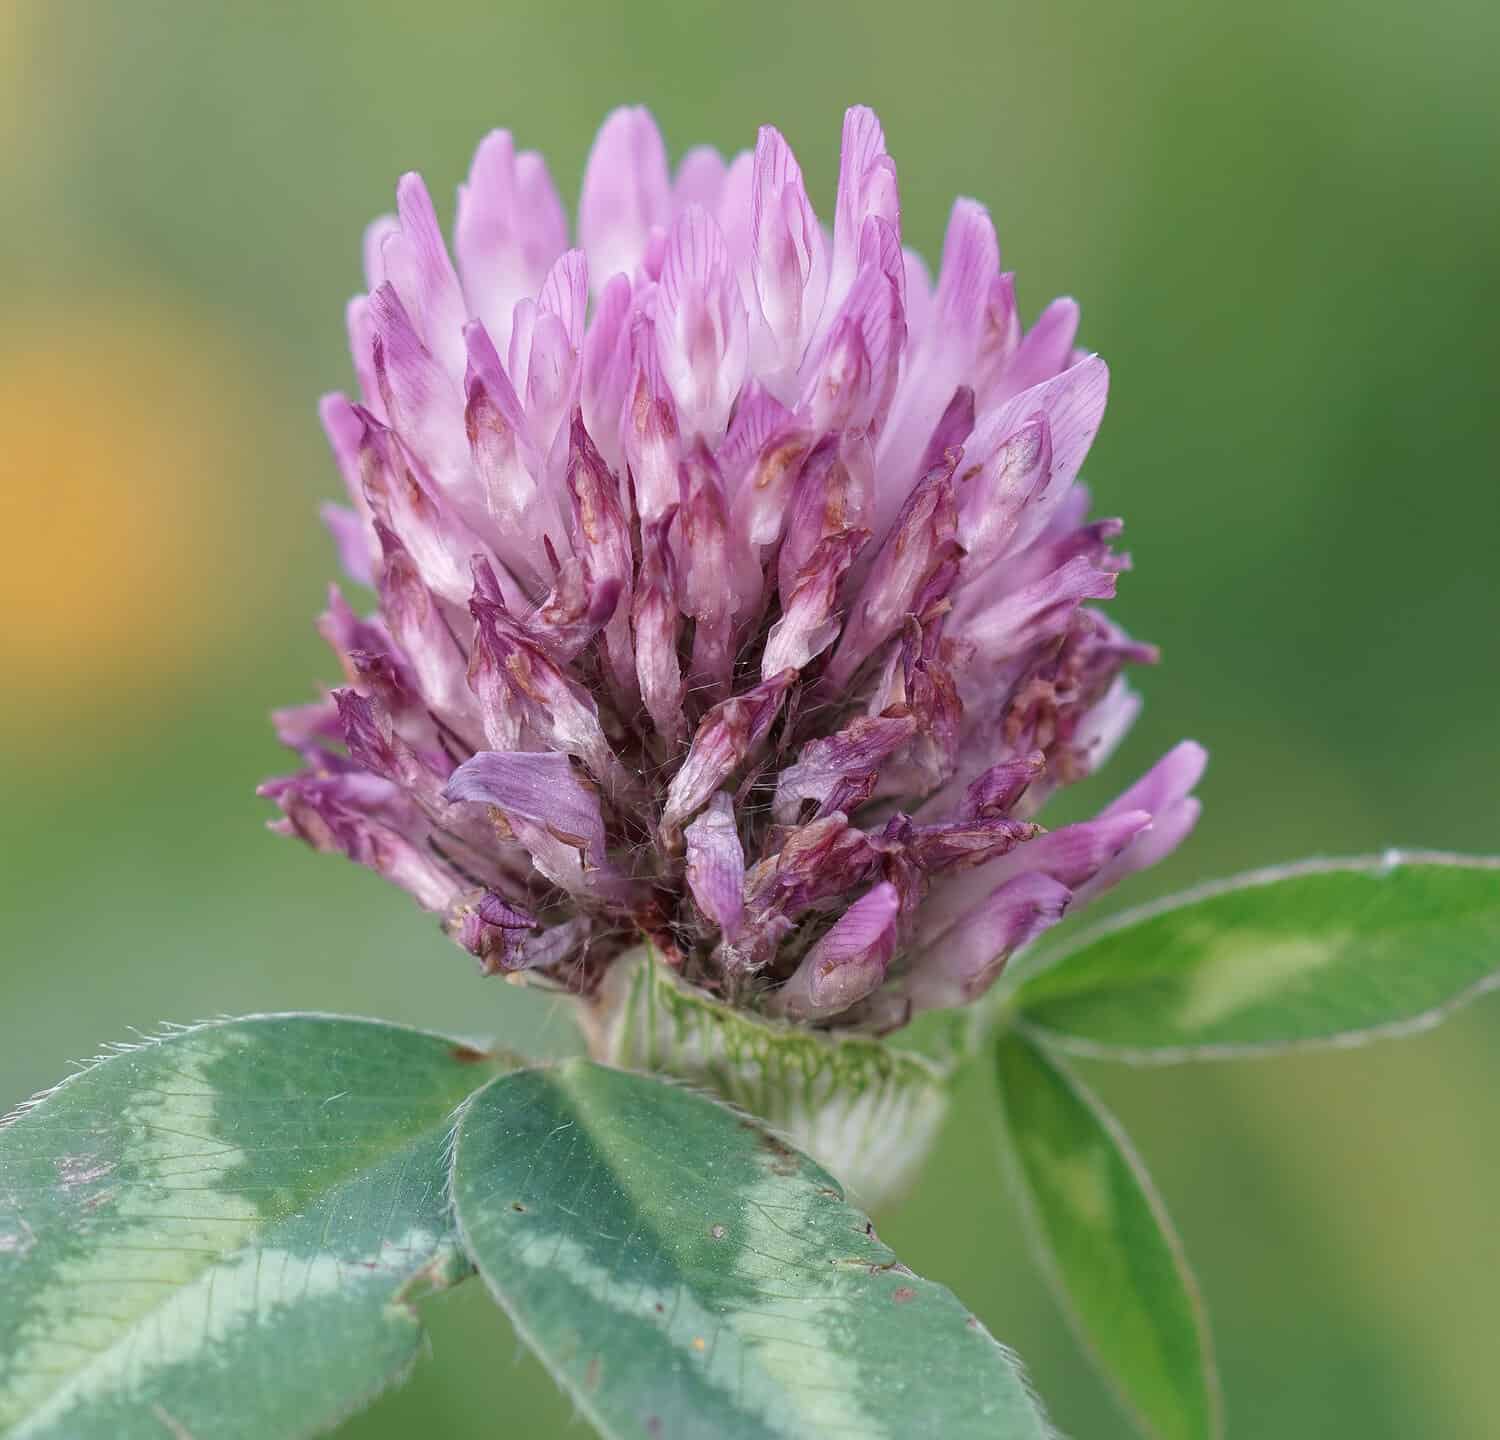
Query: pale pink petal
x=510, y=227
x=848, y=963
x=626, y=191
x=700, y=326
x=716, y=866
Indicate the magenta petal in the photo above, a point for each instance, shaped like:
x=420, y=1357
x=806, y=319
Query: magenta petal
x=353, y=538
x=652, y=443
x=1046, y=350
x=506, y=463
x=1071, y=856
x=304, y=727
x=607, y=370
x=419, y=396
x=716, y=866
x=789, y=266
x=699, y=180
x=523, y=693
x=965, y=843
x=1023, y=459
x=837, y=773
x=701, y=331
x=345, y=432
x=969, y=958
x=655, y=622
x=1076, y=853
x=626, y=191
x=575, y=610
x=954, y=426
x=719, y=578
x=832, y=496
x=408, y=253
x=565, y=294
x=808, y=624
x=915, y=568
x=867, y=189
x=816, y=863
x=999, y=339
x=1015, y=622
x=600, y=533
x=420, y=629
x=496, y=934
x=1164, y=790
x=946, y=357
x=849, y=376
x=997, y=484
x=758, y=417
x=1171, y=779
x=971, y=266
x=600, y=530
x=548, y=809
x=1168, y=829
x=510, y=227
x=725, y=737
x=848, y=963
x=361, y=817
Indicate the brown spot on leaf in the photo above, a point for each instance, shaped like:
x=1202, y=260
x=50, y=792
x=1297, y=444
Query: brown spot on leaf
x=717, y=1232
x=519, y=1208
x=783, y=1157
x=591, y=1374
x=469, y=1054
x=902, y=1293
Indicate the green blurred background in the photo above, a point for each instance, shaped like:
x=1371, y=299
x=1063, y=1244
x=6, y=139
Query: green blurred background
x=1284, y=226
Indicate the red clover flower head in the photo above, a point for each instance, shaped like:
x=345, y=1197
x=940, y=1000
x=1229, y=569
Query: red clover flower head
x=731, y=579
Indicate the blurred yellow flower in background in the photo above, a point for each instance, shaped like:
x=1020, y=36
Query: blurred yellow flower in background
x=113, y=504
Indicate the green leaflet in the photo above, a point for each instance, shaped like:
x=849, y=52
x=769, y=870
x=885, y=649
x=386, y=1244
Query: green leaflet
x=687, y=1276
x=1326, y=951
x=215, y=1232
x=1110, y=1247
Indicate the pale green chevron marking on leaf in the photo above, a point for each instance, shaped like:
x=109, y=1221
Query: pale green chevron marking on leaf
x=1327, y=952
x=218, y=1232
x=688, y=1276
x=1249, y=968
x=1108, y=1245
